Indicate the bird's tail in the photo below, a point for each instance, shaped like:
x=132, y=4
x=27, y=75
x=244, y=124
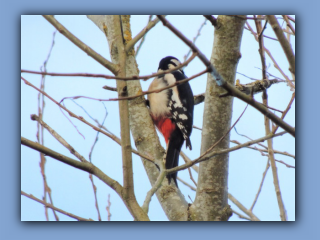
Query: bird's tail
x=172, y=158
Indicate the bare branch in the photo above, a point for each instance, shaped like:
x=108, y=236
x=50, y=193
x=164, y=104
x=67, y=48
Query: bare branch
x=241, y=216
x=154, y=188
x=292, y=86
x=112, y=136
x=194, y=39
x=248, y=18
x=199, y=98
x=224, y=151
x=95, y=196
x=266, y=150
x=187, y=184
x=141, y=34
x=108, y=208
x=84, y=166
x=118, y=33
x=222, y=83
x=240, y=206
x=112, y=77
x=96, y=56
x=187, y=159
x=143, y=92
x=254, y=87
x=58, y=137
x=283, y=41
x=285, y=17
x=109, y=88
x=212, y=19
x=40, y=133
x=54, y=208
x=285, y=111
x=283, y=214
x=260, y=187
x=191, y=177
x=224, y=135
x=256, y=35
x=261, y=46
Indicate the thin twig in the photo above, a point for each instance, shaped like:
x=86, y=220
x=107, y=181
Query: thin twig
x=291, y=19
x=142, y=93
x=54, y=208
x=187, y=184
x=289, y=82
x=90, y=159
x=240, y=206
x=144, y=32
x=59, y=138
x=195, y=39
x=261, y=46
x=96, y=56
x=260, y=187
x=112, y=136
x=285, y=17
x=286, y=110
x=240, y=215
x=222, y=83
x=144, y=78
x=84, y=166
x=191, y=177
x=95, y=196
x=187, y=159
x=224, y=151
x=108, y=208
x=40, y=133
x=283, y=214
x=216, y=143
x=266, y=150
x=141, y=34
x=255, y=34
x=154, y=188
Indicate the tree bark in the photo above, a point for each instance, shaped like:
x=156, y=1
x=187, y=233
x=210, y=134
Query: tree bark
x=211, y=202
x=143, y=130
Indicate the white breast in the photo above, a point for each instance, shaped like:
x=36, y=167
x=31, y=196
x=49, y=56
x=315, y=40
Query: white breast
x=158, y=101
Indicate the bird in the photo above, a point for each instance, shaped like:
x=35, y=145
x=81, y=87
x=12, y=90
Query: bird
x=172, y=111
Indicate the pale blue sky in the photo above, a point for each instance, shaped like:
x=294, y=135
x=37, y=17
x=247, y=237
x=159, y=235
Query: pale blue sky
x=71, y=188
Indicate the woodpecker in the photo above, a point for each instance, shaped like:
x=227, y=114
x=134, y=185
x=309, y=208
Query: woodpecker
x=172, y=111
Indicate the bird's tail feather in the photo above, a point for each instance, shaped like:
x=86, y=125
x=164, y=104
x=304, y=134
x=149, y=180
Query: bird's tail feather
x=172, y=159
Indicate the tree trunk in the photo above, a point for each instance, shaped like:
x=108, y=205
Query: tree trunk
x=211, y=202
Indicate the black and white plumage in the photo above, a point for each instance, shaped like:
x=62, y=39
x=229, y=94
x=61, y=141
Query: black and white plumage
x=172, y=111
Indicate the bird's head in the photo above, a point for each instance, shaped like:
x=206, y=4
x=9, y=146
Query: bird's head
x=168, y=63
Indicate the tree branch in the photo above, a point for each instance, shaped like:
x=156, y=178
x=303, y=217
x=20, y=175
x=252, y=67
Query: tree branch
x=283, y=214
x=96, y=56
x=154, y=188
x=212, y=19
x=283, y=41
x=117, y=37
x=243, y=209
x=227, y=86
x=133, y=77
x=54, y=208
x=289, y=82
x=223, y=151
x=58, y=137
x=84, y=166
x=112, y=136
x=141, y=34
